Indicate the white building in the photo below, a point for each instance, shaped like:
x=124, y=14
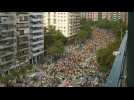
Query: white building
x=37, y=37
x=83, y=15
x=66, y=22
x=7, y=40
x=116, y=16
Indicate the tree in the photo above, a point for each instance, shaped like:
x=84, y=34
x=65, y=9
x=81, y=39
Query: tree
x=60, y=37
x=105, y=56
x=85, y=30
x=57, y=47
x=54, y=41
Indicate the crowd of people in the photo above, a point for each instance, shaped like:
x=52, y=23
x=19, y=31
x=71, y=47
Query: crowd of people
x=102, y=37
x=79, y=61
x=77, y=66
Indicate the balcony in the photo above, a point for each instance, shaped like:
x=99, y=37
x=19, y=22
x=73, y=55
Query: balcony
x=117, y=76
x=37, y=25
x=22, y=26
x=38, y=42
x=36, y=37
x=24, y=49
x=38, y=47
x=38, y=53
x=3, y=47
x=6, y=38
x=36, y=19
x=7, y=61
x=37, y=31
x=2, y=54
x=5, y=29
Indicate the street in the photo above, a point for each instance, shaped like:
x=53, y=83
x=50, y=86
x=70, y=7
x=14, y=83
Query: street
x=75, y=68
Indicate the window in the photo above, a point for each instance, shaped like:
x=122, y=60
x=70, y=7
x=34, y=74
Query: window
x=21, y=32
x=4, y=19
x=54, y=21
x=26, y=18
x=0, y=20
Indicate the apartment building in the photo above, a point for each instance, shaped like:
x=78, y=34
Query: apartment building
x=23, y=38
x=7, y=40
x=83, y=15
x=36, y=37
x=116, y=16
x=66, y=22
x=124, y=17
x=104, y=15
x=30, y=38
x=93, y=16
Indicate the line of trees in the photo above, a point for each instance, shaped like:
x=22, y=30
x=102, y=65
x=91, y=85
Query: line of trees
x=105, y=56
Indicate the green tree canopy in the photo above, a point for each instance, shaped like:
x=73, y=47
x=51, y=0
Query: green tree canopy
x=85, y=30
x=54, y=41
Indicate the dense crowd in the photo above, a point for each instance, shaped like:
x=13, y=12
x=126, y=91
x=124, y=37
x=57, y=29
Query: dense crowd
x=76, y=67
x=102, y=37
x=79, y=62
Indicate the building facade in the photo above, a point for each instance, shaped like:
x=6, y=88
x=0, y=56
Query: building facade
x=36, y=37
x=23, y=38
x=96, y=16
x=124, y=17
x=83, y=15
x=93, y=16
x=116, y=16
x=66, y=22
x=7, y=40
x=106, y=15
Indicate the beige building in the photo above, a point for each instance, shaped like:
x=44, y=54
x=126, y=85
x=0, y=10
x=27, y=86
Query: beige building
x=66, y=22
x=106, y=15
x=23, y=37
x=93, y=16
x=124, y=17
